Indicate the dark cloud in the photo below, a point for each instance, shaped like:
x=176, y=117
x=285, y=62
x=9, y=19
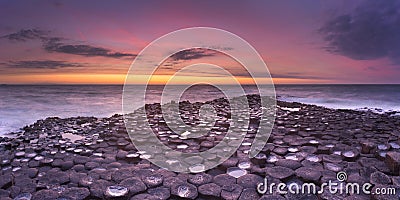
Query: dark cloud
x=191, y=54
x=40, y=64
x=59, y=45
x=25, y=35
x=55, y=45
x=372, y=31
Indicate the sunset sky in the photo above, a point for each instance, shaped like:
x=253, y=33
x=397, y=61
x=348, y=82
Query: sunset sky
x=81, y=42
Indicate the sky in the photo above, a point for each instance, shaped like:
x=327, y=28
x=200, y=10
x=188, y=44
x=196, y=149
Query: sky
x=95, y=42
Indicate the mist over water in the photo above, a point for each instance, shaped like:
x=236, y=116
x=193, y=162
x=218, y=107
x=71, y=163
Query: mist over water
x=22, y=105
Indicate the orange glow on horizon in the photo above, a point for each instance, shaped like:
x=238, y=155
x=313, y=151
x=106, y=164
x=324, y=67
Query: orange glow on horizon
x=138, y=79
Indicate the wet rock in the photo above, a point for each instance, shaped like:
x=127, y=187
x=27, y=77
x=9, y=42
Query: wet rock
x=26, y=184
x=45, y=195
x=200, y=179
x=350, y=155
x=91, y=165
x=250, y=181
x=144, y=196
x=357, y=197
x=393, y=161
x=5, y=181
x=170, y=181
x=4, y=193
x=236, y=172
x=210, y=189
x=76, y=193
x=153, y=180
x=380, y=178
x=135, y=185
x=55, y=177
x=98, y=187
x=333, y=167
x=231, y=162
x=85, y=181
x=332, y=158
x=249, y=193
x=224, y=179
x=81, y=160
x=292, y=164
x=23, y=196
x=231, y=192
x=280, y=150
x=57, y=162
x=162, y=193
x=184, y=190
x=308, y=174
x=367, y=147
x=280, y=172
x=67, y=165
x=303, y=196
x=116, y=191
x=121, y=174
x=272, y=197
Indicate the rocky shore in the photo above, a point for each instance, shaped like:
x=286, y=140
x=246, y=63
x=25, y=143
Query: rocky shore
x=94, y=158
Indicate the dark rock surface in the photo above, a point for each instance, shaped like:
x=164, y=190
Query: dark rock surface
x=93, y=158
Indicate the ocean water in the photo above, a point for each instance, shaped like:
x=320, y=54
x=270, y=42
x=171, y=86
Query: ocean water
x=22, y=105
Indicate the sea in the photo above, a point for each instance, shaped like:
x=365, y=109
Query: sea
x=21, y=105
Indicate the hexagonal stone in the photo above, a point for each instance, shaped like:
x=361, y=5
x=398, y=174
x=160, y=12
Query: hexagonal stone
x=280, y=172
x=350, y=155
x=98, y=187
x=249, y=193
x=210, y=189
x=367, y=147
x=170, y=181
x=135, y=185
x=55, y=177
x=81, y=160
x=5, y=181
x=231, y=192
x=332, y=158
x=200, y=179
x=144, y=196
x=380, y=178
x=231, y=162
x=292, y=164
x=160, y=192
x=249, y=181
x=184, y=190
x=393, y=161
x=333, y=167
x=91, y=165
x=121, y=174
x=153, y=180
x=308, y=174
x=66, y=165
x=45, y=195
x=116, y=191
x=4, y=194
x=23, y=196
x=76, y=193
x=224, y=179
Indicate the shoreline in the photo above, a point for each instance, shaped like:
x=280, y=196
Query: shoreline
x=391, y=113
x=97, y=160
